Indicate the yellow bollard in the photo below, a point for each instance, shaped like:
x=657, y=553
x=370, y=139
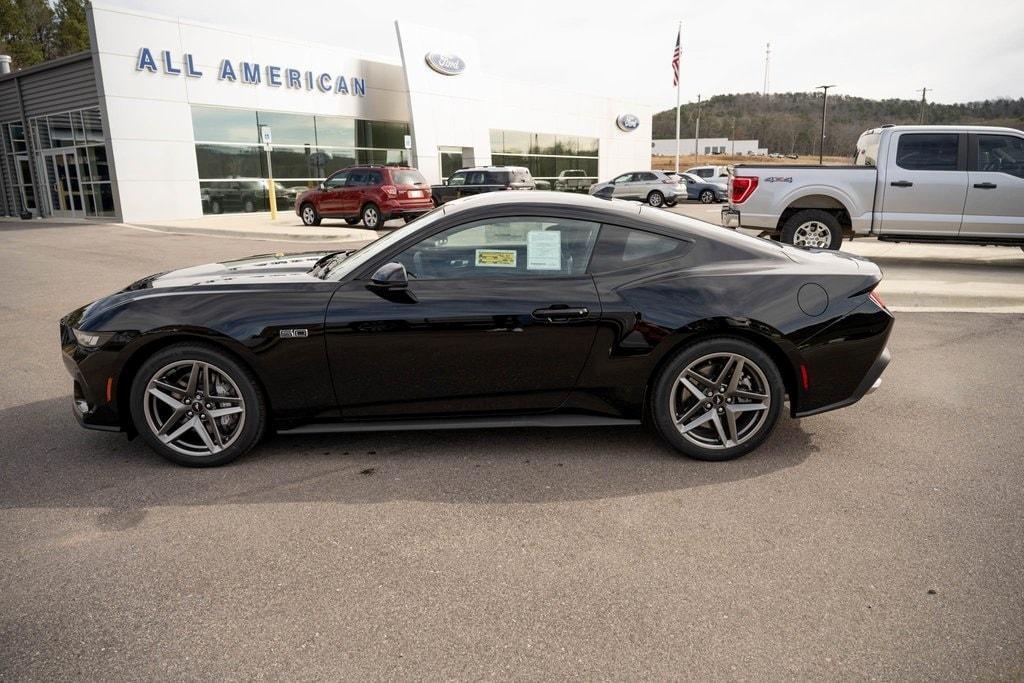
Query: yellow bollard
x=272, y=195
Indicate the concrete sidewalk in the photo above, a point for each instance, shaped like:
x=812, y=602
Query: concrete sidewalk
x=259, y=226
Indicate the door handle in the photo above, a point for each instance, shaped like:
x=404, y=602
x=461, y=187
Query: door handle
x=985, y=186
x=902, y=183
x=556, y=314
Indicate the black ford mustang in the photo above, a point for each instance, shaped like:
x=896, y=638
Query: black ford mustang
x=506, y=309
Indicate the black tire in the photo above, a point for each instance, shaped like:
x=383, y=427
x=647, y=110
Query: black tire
x=353, y=221
x=371, y=217
x=706, y=196
x=656, y=199
x=806, y=219
x=671, y=203
x=664, y=400
x=309, y=215
x=252, y=403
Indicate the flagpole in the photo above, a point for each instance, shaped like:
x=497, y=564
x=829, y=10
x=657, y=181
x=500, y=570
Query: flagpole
x=679, y=85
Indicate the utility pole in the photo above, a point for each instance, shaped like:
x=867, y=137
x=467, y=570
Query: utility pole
x=824, y=107
x=733, y=138
x=767, y=58
x=696, y=134
x=924, y=102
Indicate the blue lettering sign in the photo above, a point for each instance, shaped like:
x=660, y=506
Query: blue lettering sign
x=190, y=67
x=274, y=76
x=227, y=72
x=340, y=86
x=359, y=87
x=146, y=61
x=324, y=82
x=168, y=67
x=293, y=78
x=250, y=73
x=309, y=80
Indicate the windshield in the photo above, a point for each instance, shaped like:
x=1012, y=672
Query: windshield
x=867, y=149
x=411, y=177
x=339, y=268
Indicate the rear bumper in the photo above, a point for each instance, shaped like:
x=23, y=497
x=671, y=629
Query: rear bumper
x=407, y=207
x=871, y=381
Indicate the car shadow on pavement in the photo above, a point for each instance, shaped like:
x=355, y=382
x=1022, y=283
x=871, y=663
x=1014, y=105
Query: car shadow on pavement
x=49, y=461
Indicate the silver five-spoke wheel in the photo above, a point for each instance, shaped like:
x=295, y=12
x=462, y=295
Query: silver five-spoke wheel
x=720, y=400
x=194, y=408
x=813, y=234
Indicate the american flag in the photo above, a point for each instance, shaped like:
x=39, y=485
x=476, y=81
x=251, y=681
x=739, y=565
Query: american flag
x=675, y=59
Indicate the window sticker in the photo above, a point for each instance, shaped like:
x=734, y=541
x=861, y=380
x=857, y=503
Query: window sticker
x=496, y=258
x=543, y=250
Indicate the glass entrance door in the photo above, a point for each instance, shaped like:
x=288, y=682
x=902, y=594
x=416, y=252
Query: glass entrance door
x=63, y=182
x=23, y=178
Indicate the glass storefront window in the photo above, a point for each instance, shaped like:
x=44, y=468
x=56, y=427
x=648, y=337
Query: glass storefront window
x=61, y=134
x=289, y=129
x=381, y=134
x=335, y=131
x=293, y=162
x=220, y=124
x=328, y=161
x=547, y=155
x=229, y=161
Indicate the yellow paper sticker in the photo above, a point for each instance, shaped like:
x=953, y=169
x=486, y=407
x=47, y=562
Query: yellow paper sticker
x=496, y=258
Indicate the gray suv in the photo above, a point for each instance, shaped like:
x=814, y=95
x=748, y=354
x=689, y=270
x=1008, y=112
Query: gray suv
x=654, y=187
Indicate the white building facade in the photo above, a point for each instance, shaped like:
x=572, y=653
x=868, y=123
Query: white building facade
x=173, y=127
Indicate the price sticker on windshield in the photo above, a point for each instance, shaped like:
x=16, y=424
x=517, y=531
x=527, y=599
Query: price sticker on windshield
x=496, y=258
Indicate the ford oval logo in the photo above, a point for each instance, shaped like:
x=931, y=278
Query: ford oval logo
x=449, y=65
x=627, y=122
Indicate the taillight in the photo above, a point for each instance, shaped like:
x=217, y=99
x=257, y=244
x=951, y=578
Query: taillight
x=669, y=181
x=389, y=190
x=741, y=187
x=876, y=297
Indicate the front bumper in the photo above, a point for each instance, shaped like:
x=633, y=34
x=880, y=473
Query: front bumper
x=94, y=384
x=730, y=217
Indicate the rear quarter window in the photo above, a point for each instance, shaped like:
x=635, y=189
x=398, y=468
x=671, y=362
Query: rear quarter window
x=620, y=248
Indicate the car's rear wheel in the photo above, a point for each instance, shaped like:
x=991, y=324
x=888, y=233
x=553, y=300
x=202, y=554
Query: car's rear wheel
x=371, y=217
x=656, y=199
x=309, y=215
x=196, y=405
x=718, y=399
x=813, y=228
x=706, y=197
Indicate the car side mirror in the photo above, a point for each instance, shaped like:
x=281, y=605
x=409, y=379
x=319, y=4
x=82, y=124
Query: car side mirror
x=321, y=186
x=390, y=276
x=606, y=192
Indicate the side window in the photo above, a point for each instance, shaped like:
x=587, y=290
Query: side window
x=497, y=178
x=503, y=247
x=356, y=179
x=1001, y=154
x=648, y=177
x=619, y=248
x=374, y=178
x=928, y=151
x=705, y=172
x=624, y=178
x=476, y=178
x=457, y=179
x=336, y=180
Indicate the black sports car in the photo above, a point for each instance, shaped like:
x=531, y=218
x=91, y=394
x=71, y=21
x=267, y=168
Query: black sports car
x=506, y=309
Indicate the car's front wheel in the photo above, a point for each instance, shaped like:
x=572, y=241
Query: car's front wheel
x=196, y=405
x=718, y=399
x=656, y=199
x=706, y=197
x=309, y=215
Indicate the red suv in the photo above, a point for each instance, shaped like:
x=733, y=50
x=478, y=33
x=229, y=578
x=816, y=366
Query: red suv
x=371, y=194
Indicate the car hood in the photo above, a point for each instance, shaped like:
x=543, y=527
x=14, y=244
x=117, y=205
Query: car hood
x=262, y=269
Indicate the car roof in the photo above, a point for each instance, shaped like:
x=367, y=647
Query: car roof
x=920, y=128
x=494, y=168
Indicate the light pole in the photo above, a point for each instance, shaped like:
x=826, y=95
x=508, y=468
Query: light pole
x=824, y=105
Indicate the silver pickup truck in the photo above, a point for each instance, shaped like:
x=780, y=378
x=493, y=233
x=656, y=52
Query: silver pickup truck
x=940, y=184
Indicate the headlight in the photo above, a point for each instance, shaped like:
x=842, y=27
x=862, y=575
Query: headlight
x=90, y=340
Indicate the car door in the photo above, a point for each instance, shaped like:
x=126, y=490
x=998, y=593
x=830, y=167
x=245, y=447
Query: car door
x=925, y=184
x=995, y=187
x=498, y=316
x=625, y=187
x=351, y=194
x=331, y=196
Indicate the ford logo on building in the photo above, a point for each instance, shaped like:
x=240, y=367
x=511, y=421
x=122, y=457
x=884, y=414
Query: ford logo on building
x=449, y=65
x=627, y=122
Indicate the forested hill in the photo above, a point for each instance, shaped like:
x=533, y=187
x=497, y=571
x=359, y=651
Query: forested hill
x=791, y=122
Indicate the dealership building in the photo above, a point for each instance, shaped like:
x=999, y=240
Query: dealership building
x=167, y=118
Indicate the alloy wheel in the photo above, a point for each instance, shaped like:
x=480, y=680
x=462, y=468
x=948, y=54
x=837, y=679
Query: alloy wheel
x=656, y=199
x=720, y=400
x=707, y=196
x=194, y=408
x=812, y=234
x=308, y=215
x=371, y=218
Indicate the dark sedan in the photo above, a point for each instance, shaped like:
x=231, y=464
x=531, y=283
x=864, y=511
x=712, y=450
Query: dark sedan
x=506, y=309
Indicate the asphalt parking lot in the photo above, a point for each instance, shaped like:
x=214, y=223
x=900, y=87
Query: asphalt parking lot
x=881, y=541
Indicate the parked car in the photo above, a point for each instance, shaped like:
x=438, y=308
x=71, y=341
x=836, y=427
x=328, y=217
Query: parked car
x=470, y=181
x=443, y=323
x=371, y=194
x=948, y=184
x=704, y=191
x=657, y=188
x=245, y=196
x=575, y=180
x=719, y=175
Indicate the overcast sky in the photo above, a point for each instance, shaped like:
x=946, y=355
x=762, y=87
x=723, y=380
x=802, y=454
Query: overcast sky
x=869, y=48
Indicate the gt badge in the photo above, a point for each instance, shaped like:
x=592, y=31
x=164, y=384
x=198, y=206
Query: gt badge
x=294, y=334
